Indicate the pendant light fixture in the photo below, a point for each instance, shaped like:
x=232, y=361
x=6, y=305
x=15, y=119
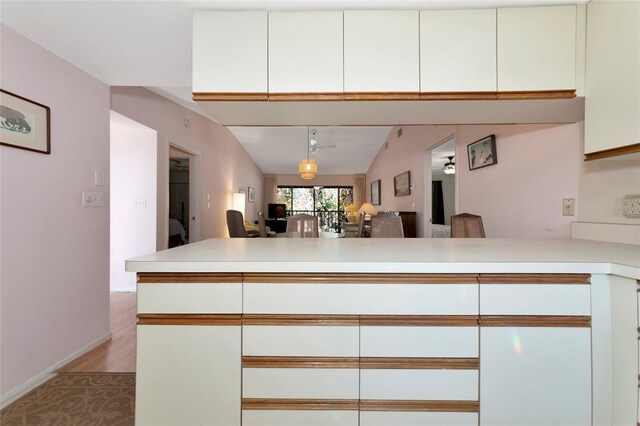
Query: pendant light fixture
x=450, y=167
x=308, y=168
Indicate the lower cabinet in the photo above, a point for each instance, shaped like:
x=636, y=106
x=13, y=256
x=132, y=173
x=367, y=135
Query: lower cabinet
x=388, y=418
x=535, y=376
x=188, y=375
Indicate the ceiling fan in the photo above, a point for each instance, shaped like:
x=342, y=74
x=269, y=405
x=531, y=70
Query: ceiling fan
x=313, y=143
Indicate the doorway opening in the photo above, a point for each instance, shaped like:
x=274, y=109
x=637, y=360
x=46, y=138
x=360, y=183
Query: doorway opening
x=440, y=188
x=183, y=197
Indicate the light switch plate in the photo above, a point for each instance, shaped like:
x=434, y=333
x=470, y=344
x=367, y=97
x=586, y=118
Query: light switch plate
x=99, y=178
x=92, y=199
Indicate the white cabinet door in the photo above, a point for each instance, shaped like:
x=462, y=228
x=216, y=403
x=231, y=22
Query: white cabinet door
x=305, y=52
x=381, y=51
x=299, y=417
x=398, y=418
x=229, y=52
x=537, y=48
x=458, y=51
x=535, y=376
x=188, y=375
x=612, y=101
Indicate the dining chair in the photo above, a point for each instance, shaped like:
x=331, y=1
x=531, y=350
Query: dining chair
x=386, y=225
x=466, y=225
x=235, y=224
x=262, y=225
x=360, y=233
x=302, y=226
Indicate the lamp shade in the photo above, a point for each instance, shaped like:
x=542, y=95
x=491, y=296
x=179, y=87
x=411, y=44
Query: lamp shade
x=367, y=208
x=308, y=168
x=238, y=202
x=351, y=208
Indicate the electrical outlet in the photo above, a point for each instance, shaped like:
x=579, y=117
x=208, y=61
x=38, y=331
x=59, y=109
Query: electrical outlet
x=140, y=202
x=631, y=206
x=569, y=207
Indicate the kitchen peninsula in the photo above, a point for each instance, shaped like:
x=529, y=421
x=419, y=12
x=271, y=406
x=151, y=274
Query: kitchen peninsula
x=400, y=331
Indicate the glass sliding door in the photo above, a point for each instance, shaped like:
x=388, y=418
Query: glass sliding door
x=326, y=202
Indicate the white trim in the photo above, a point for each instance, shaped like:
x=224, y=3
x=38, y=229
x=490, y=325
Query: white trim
x=27, y=386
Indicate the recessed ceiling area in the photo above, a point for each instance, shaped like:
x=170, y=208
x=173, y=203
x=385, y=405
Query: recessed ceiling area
x=342, y=150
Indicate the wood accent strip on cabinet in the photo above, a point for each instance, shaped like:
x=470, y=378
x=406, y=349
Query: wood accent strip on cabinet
x=305, y=97
x=382, y=96
x=362, y=278
x=535, y=279
x=410, y=405
x=613, y=152
x=299, y=362
x=534, y=321
x=299, y=404
x=538, y=94
x=420, y=320
x=420, y=363
x=458, y=96
x=233, y=97
x=160, y=278
x=189, y=319
x=334, y=320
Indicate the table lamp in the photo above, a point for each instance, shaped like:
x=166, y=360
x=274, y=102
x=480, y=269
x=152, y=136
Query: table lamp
x=368, y=210
x=351, y=213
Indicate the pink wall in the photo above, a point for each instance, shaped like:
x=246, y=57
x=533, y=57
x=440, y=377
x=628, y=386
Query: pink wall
x=225, y=165
x=520, y=197
x=54, y=268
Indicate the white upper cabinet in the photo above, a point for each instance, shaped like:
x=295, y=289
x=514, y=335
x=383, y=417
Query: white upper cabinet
x=458, y=51
x=381, y=51
x=230, y=52
x=305, y=52
x=612, y=99
x=537, y=48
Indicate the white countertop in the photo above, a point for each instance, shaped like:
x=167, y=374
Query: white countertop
x=488, y=255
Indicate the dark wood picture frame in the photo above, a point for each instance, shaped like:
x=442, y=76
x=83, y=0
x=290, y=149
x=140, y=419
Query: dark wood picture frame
x=402, y=184
x=482, y=153
x=375, y=192
x=20, y=116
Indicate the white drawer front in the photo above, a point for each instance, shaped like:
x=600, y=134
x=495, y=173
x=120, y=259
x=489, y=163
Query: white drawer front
x=535, y=299
x=388, y=341
x=299, y=417
x=373, y=299
x=196, y=298
x=396, y=418
x=300, y=383
x=419, y=384
x=300, y=341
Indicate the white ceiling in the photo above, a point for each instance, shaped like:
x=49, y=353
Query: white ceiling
x=279, y=150
x=148, y=43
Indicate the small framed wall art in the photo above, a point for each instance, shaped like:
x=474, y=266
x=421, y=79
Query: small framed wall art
x=482, y=153
x=402, y=184
x=24, y=123
x=375, y=192
x=251, y=195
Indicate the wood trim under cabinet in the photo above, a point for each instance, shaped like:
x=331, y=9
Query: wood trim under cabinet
x=338, y=278
x=613, y=152
x=395, y=363
x=293, y=320
x=163, y=278
x=379, y=96
x=420, y=320
x=534, y=321
x=299, y=404
x=306, y=97
x=189, y=319
x=534, y=279
x=230, y=97
x=426, y=406
x=538, y=94
x=299, y=362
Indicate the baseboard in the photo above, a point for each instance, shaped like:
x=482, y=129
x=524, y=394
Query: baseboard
x=22, y=389
x=609, y=232
x=123, y=290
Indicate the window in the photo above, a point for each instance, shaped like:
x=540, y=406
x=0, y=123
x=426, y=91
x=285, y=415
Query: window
x=326, y=202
